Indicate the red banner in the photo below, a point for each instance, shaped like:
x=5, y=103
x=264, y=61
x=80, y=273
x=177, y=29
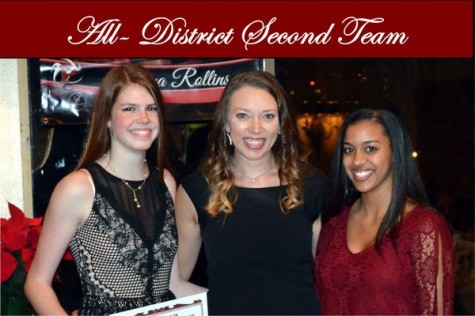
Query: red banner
x=237, y=28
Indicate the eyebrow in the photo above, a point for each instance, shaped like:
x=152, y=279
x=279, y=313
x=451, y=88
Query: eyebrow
x=262, y=112
x=136, y=104
x=364, y=143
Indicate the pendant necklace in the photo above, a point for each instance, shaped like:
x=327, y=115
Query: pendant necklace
x=253, y=179
x=129, y=186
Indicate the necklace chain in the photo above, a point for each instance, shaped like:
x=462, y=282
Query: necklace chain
x=136, y=200
x=253, y=179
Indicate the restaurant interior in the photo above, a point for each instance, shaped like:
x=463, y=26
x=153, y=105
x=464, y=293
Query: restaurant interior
x=433, y=96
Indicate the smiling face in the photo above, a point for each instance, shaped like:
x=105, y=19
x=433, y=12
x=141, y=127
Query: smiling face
x=253, y=123
x=134, y=119
x=367, y=157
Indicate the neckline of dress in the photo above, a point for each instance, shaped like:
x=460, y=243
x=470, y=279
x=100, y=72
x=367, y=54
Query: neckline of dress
x=372, y=246
x=120, y=179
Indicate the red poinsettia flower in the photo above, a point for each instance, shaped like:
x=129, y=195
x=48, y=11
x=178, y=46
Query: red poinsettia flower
x=19, y=235
x=15, y=231
x=9, y=265
x=28, y=253
x=19, y=239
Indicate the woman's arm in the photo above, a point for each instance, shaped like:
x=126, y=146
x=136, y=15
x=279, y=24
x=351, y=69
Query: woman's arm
x=446, y=272
x=189, y=238
x=178, y=286
x=433, y=252
x=69, y=206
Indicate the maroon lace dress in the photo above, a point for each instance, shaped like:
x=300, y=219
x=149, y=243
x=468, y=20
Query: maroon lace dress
x=403, y=281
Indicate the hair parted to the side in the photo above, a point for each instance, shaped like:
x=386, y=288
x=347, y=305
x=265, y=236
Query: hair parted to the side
x=407, y=183
x=286, y=150
x=98, y=140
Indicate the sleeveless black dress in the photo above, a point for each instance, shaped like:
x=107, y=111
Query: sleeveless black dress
x=124, y=254
x=259, y=258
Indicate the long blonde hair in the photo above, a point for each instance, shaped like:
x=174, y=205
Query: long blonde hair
x=216, y=168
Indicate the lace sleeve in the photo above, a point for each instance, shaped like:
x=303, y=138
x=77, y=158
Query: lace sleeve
x=433, y=253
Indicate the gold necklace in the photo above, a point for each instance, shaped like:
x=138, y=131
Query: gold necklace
x=129, y=186
x=253, y=179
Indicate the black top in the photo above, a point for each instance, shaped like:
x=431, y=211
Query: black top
x=124, y=254
x=259, y=258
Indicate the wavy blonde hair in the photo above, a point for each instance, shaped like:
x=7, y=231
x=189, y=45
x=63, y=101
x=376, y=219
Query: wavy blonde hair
x=287, y=153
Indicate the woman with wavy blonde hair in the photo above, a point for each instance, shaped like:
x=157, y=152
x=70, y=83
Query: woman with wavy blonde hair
x=253, y=204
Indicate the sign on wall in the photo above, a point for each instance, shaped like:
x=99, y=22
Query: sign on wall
x=190, y=87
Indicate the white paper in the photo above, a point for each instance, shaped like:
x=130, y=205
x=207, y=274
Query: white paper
x=193, y=305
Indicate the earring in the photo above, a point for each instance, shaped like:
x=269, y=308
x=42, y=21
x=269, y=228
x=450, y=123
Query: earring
x=229, y=138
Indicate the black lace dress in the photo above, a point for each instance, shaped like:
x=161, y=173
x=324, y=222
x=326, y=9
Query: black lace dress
x=124, y=254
